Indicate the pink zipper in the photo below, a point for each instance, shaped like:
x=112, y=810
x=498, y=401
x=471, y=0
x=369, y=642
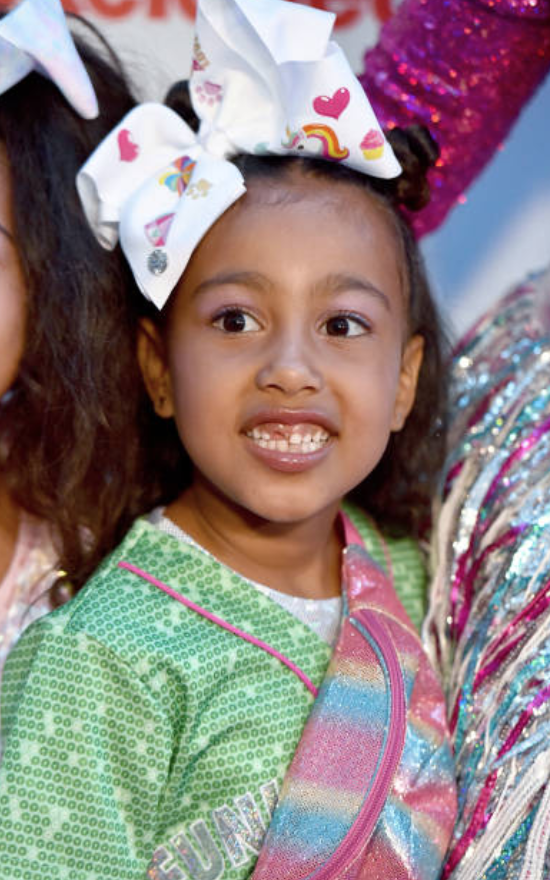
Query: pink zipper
x=360, y=832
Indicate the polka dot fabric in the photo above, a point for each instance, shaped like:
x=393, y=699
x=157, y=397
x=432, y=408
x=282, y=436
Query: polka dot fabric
x=129, y=718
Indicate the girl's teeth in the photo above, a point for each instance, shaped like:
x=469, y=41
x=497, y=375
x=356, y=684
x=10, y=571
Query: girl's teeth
x=296, y=442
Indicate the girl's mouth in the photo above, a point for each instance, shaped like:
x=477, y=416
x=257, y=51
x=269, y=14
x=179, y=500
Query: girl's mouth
x=298, y=439
x=290, y=447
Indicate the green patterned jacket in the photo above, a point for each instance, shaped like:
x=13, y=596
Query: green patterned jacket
x=140, y=740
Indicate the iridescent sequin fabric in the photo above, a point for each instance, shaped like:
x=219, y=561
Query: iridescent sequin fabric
x=489, y=622
x=464, y=69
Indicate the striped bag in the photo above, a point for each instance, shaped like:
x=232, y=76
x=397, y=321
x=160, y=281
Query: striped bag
x=370, y=793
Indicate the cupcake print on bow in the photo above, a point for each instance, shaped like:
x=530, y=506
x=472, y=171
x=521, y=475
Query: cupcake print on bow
x=266, y=79
x=34, y=37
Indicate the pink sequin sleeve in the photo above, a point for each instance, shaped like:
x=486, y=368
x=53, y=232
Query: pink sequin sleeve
x=464, y=68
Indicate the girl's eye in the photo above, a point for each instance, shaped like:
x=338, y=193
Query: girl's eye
x=235, y=321
x=346, y=325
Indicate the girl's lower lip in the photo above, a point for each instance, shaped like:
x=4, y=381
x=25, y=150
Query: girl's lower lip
x=288, y=462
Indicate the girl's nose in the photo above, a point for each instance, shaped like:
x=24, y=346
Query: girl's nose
x=290, y=367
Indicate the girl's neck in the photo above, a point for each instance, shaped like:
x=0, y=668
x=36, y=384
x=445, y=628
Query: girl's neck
x=9, y=526
x=301, y=559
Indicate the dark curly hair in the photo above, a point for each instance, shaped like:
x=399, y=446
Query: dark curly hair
x=60, y=425
x=398, y=492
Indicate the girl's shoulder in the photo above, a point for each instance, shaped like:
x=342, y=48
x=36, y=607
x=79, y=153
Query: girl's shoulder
x=114, y=597
x=24, y=589
x=112, y=600
x=34, y=558
x=400, y=557
x=120, y=624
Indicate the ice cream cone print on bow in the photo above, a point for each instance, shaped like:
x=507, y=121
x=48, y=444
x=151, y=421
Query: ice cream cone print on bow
x=35, y=36
x=265, y=79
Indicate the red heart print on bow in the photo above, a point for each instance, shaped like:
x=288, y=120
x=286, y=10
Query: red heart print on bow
x=128, y=149
x=333, y=107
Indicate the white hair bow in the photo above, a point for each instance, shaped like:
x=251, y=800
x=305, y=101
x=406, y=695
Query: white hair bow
x=35, y=36
x=266, y=80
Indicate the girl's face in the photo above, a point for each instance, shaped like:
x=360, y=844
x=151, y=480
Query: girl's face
x=12, y=290
x=285, y=360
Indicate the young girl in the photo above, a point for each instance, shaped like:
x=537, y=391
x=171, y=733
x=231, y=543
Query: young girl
x=149, y=723
x=59, y=297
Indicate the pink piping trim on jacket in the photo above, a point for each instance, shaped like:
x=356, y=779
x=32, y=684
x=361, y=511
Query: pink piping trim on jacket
x=241, y=634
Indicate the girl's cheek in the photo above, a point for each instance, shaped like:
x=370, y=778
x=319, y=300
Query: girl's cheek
x=12, y=328
x=13, y=306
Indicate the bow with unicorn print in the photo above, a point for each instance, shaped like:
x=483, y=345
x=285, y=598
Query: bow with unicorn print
x=266, y=79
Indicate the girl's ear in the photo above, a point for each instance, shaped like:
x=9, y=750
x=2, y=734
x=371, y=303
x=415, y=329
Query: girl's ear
x=152, y=362
x=408, y=378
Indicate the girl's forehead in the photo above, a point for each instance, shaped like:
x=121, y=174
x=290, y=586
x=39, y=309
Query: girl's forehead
x=301, y=227
x=295, y=196
x=317, y=207
x=294, y=185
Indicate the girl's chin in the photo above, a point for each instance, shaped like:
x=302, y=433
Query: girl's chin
x=289, y=511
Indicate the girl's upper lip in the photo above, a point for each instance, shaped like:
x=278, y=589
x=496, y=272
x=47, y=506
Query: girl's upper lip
x=290, y=417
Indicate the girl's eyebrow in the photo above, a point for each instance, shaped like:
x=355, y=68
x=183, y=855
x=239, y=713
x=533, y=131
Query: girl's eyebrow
x=336, y=283
x=246, y=279
x=340, y=282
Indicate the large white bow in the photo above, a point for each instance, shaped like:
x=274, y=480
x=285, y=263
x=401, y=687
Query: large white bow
x=267, y=80
x=35, y=36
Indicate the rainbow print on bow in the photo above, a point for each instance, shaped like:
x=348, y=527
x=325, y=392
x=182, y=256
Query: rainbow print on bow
x=266, y=79
x=35, y=36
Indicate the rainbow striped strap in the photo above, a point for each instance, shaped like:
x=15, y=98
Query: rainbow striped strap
x=370, y=791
